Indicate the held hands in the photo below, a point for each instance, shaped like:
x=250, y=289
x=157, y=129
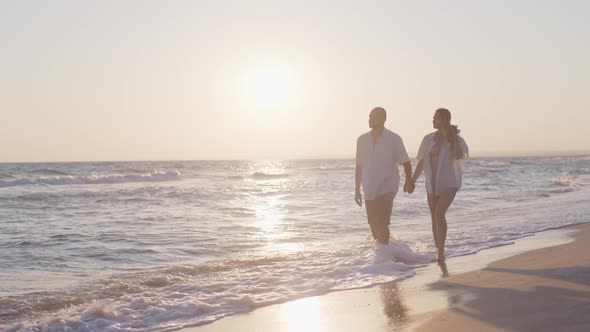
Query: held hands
x=358, y=198
x=409, y=186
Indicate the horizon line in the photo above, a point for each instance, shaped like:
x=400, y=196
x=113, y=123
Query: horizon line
x=486, y=154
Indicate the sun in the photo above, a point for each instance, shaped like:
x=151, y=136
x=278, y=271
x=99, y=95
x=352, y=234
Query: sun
x=270, y=87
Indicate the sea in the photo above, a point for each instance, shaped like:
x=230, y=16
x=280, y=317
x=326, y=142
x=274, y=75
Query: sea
x=163, y=245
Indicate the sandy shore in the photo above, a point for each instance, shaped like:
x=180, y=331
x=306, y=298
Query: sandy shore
x=542, y=283
x=541, y=290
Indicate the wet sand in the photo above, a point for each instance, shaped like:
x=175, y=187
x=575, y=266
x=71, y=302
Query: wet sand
x=541, y=290
x=541, y=283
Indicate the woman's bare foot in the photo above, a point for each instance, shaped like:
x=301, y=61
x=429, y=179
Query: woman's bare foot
x=443, y=269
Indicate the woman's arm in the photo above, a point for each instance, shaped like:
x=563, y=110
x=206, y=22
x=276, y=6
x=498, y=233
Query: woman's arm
x=418, y=170
x=457, y=151
x=460, y=148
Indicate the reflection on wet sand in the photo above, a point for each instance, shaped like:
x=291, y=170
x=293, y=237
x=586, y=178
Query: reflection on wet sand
x=403, y=306
x=397, y=313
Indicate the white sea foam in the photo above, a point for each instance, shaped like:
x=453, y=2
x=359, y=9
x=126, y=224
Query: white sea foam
x=154, y=176
x=192, y=295
x=101, y=309
x=566, y=183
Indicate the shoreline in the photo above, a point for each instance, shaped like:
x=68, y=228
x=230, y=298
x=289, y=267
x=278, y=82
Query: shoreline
x=546, y=289
x=410, y=304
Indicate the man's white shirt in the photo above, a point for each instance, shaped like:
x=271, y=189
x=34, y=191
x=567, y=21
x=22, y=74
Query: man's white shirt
x=380, y=157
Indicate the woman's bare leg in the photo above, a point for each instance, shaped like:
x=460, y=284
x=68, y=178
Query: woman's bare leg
x=442, y=205
x=432, y=199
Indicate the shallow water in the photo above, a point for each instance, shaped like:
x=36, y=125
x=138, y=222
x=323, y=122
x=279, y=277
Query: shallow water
x=161, y=245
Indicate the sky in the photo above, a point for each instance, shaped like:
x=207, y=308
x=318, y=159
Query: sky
x=194, y=80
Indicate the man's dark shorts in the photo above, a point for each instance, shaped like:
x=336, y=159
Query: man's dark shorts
x=379, y=216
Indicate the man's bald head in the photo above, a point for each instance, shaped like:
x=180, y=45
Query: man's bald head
x=377, y=118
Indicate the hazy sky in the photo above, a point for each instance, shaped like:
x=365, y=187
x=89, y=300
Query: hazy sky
x=127, y=80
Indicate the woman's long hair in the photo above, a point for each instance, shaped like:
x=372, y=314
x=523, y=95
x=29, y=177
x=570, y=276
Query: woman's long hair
x=445, y=116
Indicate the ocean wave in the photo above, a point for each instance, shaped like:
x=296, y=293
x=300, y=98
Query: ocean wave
x=48, y=197
x=258, y=176
x=47, y=171
x=191, y=295
x=155, y=176
x=494, y=163
x=566, y=183
x=581, y=171
x=330, y=168
x=484, y=170
x=564, y=190
x=267, y=176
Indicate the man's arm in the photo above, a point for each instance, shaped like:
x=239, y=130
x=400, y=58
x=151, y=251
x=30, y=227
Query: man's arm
x=358, y=171
x=420, y=166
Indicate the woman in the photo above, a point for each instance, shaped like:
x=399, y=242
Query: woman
x=441, y=156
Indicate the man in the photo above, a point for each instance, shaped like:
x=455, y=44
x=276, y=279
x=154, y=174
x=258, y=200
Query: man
x=379, y=153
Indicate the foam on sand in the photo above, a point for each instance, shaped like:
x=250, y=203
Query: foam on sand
x=191, y=295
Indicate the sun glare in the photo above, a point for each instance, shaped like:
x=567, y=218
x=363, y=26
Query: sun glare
x=270, y=87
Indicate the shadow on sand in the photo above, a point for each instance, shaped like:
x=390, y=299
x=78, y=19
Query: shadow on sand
x=559, y=299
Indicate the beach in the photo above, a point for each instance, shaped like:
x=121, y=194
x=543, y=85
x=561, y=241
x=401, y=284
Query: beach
x=280, y=166
x=543, y=290
x=169, y=245
x=541, y=283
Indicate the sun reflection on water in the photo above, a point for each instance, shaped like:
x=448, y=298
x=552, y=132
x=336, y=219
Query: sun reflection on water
x=270, y=211
x=303, y=315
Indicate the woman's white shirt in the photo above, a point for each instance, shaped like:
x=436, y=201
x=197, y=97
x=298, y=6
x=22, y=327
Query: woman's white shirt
x=449, y=169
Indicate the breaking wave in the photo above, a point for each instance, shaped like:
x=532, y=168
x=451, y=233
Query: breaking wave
x=155, y=176
x=566, y=183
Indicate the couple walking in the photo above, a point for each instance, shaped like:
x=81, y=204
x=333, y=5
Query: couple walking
x=379, y=153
